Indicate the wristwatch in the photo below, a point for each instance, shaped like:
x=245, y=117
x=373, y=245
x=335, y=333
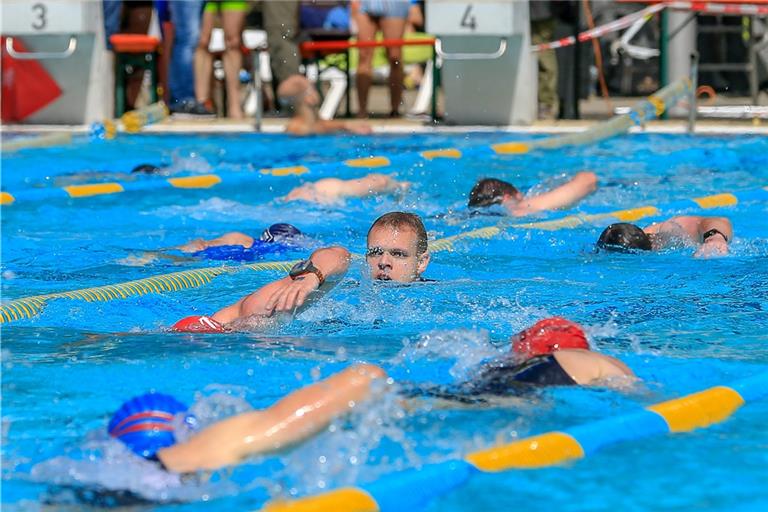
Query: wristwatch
x=306, y=267
x=712, y=232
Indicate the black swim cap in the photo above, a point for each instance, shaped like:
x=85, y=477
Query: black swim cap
x=146, y=169
x=279, y=231
x=624, y=237
x=490, y=191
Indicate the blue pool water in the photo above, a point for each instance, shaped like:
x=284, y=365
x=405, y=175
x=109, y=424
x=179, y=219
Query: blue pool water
x=682, y=324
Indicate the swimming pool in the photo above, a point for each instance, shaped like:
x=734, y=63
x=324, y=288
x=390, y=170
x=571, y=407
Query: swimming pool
x=682, y=324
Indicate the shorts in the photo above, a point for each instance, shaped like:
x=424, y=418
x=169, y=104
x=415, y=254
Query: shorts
x=385, y=8
x=222, y=6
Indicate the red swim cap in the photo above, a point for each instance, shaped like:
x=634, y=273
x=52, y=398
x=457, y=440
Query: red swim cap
x=549, y=335
x=197, y=323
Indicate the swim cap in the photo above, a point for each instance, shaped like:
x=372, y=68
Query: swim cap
x=144, y=423
x=549, y=335
x=198, y=323
x=624, y=237
x=279, y=231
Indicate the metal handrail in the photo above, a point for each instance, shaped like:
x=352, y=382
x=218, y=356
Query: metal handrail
x=471, y=56
x=71, y=47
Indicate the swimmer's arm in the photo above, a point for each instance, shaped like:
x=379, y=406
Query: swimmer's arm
x=715, y=245
x=333, y=126
x=292, y=419
x=232, y=238
x=370, y=185
x=287, y=294
x=297, y=126
x=195, y=245
x=722, y=224
x=580, y=186
x=588, y=368
x=324, y=191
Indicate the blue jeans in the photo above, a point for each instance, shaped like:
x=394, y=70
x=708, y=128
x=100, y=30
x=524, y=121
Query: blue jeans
x=185, y=15
x=112, y=12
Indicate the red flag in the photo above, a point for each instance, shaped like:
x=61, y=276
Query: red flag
x=27, y=86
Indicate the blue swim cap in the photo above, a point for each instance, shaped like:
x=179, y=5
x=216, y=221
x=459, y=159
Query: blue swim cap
x=144, y=423
x=279, y=231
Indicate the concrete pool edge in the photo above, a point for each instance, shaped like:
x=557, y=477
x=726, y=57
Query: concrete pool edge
x=275, y=126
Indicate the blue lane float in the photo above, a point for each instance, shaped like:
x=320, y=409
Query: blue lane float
x=414, y=488
x=28, y=307
x=645, y=110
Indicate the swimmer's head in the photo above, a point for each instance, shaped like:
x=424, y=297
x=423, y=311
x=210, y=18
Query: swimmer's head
x=295, y=91
x=146, y=169
x=279, y=232
x=492, y=191
x=549, y=335
x=397, y=247
x=624, y=237
x=145, y=423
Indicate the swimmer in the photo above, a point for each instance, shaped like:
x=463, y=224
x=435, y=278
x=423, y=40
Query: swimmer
x=332, y=190
x=397, y=251
x=88, y=177
x=146, y=169
x=553, y=351
x=297, y=94
x=491, y=191
x=241, y=247
x=710, y=235
x=145, y=424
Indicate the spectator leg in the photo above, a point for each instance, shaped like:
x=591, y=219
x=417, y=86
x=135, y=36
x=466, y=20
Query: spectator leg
x=136, y=18
x=394, y=28
x=366, y=31
x=233, y=22
x=203, y=59
x=281, y=22
x=185, y=15
x=543, y=32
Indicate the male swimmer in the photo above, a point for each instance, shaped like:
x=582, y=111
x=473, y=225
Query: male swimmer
x=711, y=235
x=297, y=94
x=241, y=247
x=491, y=191
x=555, y=353
x=397, y=251
x=332, y=190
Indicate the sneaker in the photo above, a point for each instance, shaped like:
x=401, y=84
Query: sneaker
x=191, y=108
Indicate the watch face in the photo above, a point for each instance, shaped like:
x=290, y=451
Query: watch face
x=300, y=267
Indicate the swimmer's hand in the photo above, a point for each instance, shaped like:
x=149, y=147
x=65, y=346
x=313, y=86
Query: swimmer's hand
x=358, y=128
x=193, y=246
x=290, y=294
x=712, y=248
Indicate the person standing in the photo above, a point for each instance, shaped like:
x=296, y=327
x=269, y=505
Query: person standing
x=543, y=21
x=185, y=16
x=390, y=17
x=281, y=22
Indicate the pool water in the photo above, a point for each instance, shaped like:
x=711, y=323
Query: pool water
x=683, y=324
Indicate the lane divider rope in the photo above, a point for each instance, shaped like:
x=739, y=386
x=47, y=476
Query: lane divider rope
x=416, y=488
x=644, y=111
x=28, y=307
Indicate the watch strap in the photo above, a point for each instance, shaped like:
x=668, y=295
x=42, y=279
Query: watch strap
x=711, y=233
x=309, y=268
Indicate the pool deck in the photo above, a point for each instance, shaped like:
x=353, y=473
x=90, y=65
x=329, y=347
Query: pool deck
x=593, y=111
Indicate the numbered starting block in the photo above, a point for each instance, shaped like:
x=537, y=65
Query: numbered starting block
x=488, y=72
x=62, y=73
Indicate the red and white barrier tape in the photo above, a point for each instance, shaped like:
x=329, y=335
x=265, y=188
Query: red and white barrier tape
x=629, y=19
x=715, y=8
x=613, y=26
